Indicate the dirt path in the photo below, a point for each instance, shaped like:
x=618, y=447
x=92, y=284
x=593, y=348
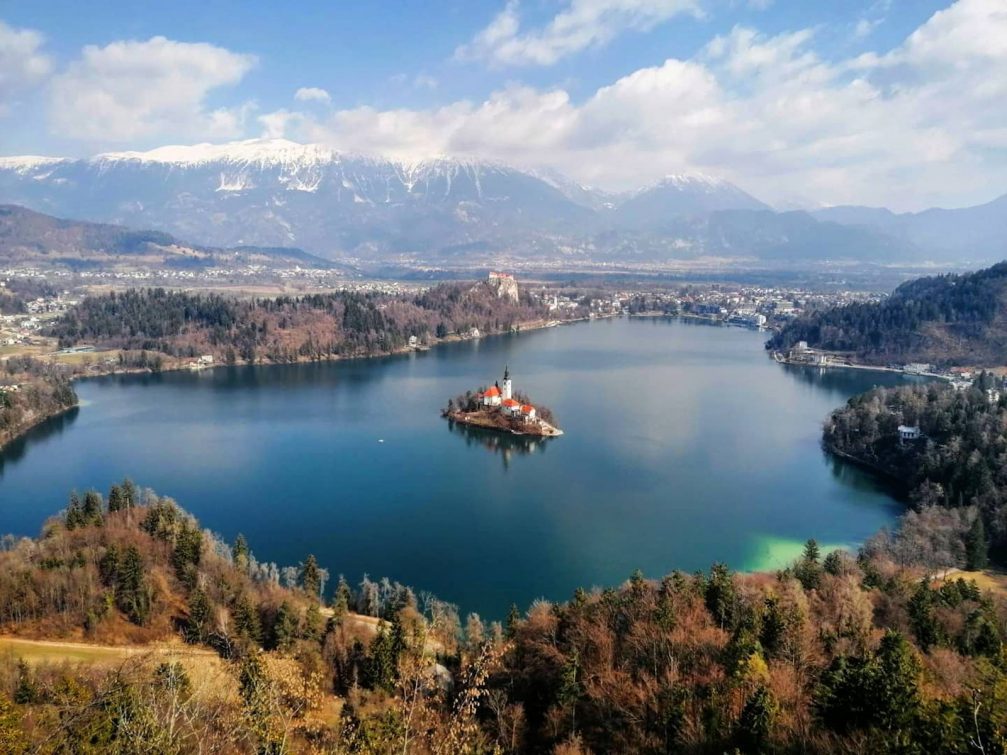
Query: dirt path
x=36, y=651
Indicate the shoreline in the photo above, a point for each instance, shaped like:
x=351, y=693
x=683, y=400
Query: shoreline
x=25, y=429
x=480, y=420
x=531, y=325
x=777, y=357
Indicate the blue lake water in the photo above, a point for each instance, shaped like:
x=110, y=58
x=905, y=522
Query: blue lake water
x=684, y=445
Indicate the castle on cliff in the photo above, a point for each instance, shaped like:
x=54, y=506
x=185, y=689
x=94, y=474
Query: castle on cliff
x=504, y=284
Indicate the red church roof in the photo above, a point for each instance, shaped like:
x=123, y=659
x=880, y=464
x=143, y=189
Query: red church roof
x=527, y=408
x=510, y=402
x=494, y=391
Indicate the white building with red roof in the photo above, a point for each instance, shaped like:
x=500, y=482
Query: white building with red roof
x=501, y=395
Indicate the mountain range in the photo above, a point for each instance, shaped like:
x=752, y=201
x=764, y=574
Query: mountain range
x=277, y=193
x=33, y=238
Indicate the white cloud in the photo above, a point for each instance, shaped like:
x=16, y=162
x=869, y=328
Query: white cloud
x=279, y=123
x=312, y=94
x=22, y=63
x=865, y=27
x=133, y=91
x=582, y=24
x=921, y=124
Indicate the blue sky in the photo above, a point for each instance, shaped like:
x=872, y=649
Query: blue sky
x=799, y=102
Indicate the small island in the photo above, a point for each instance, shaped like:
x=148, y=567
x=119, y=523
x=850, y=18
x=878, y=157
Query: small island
x=500, y=408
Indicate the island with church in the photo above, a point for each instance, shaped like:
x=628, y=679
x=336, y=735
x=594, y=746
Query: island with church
x=501, y=408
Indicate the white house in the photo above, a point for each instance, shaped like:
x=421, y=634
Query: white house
x=492, y=397
x=909, y=432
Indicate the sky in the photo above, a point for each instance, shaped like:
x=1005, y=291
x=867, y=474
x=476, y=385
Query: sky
x=898, y=103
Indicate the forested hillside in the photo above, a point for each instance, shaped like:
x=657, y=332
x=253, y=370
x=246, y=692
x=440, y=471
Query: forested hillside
x=960, y=461
x=33, y=238
x=288, y=329
x=30, y=392
x=944, y=320
x=835, y=654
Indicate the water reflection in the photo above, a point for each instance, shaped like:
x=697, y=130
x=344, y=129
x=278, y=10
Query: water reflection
x=507, y=445
x=54, y=426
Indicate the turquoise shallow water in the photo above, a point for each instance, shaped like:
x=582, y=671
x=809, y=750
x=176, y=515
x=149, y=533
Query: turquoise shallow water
x=684, y=444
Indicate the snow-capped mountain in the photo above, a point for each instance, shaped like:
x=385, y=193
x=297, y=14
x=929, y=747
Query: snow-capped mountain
x=276, y=192
x=657, y=206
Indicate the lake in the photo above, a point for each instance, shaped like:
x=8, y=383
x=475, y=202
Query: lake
x=684, y=445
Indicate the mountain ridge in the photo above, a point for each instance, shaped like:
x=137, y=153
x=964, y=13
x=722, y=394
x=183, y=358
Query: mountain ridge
x=372, y=209
x=27, y=236
x=943, y=320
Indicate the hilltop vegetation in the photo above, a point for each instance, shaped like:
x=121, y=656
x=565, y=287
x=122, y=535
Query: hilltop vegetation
x=835, y=654
x=31, y=391
x=288, y=329
x=944, y=320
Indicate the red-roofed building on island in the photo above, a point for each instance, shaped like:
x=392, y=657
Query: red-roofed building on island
x=502, y=395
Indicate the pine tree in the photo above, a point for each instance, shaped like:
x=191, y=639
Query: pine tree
x=976, y=546
x=513, y=619
x=93, y=505
x=74, y=517
x=897, y=683
x=130, y=495
x=108, y=566
x=756, y=720
x=383, y=660
x=344, y=597
x=247, y=624
x=312, y=629
x=774, y=626
x=921, y=617
x=26, y=692
x=132, y=593
x=116, y=500
x=198, y=620
x=569, y=687
x=811, y=551
x=721, y=597
x=310, y=577
x=187, y=553
x=241, y=552
x=285, y=627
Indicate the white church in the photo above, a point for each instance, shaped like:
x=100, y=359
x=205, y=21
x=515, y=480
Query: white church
x=502, y=396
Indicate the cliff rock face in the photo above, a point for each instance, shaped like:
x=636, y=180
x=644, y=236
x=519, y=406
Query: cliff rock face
x=505, y=285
